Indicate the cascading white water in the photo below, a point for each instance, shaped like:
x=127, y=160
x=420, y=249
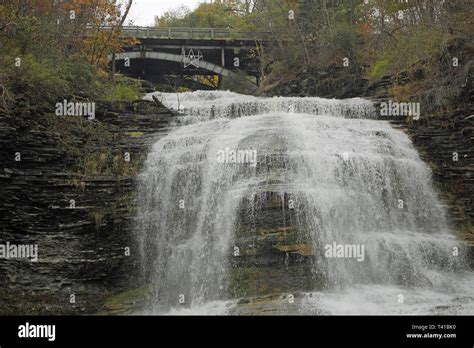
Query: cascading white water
x=354, y=181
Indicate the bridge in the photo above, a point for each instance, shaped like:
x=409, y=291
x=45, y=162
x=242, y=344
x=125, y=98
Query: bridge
x=189, y=51
x=194, y=34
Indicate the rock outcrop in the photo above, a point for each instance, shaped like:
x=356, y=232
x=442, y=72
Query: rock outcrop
x=68, y=185
x=334, y=82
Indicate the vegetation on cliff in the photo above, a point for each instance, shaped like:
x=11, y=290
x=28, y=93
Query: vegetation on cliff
x=58, y=53
x=54, y=51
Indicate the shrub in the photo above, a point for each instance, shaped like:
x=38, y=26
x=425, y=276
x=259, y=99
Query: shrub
x=381, y=67
x=124, y=89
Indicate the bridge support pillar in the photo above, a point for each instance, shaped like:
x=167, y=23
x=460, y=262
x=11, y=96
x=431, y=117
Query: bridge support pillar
x=223, y=57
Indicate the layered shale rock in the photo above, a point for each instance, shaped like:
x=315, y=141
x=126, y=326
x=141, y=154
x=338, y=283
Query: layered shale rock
x=271, y=254
x=447, y=144
x=68, y=185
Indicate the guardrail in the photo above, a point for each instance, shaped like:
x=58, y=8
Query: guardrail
x=194, y=34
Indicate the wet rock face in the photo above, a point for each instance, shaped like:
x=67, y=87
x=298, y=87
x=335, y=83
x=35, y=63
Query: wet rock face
x=271, y=255
x=74, y=196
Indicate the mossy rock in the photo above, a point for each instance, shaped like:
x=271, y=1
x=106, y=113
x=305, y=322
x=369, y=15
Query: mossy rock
x=127, y=302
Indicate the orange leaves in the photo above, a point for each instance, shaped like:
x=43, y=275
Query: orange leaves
x=103, y=36
x=364, y=28
x=84, y=29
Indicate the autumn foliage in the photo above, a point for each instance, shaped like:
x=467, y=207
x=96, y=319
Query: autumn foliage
x=58, y=47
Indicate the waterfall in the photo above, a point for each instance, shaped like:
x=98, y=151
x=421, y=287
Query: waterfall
x=359, y=195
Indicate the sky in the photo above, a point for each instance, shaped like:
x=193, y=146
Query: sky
x=143, y=12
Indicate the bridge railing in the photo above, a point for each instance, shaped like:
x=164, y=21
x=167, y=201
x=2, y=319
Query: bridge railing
x=193, y=33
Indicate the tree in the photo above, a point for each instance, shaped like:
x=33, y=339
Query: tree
x=52, y=50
